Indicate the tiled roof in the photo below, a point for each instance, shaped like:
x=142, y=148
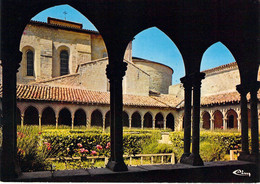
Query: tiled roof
x=232, y=97
x=170, y=100
x=219, y=68
x=75, y=95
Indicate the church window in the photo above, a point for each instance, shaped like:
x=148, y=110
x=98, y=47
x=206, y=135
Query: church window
x=30, y=61
x=64, y=62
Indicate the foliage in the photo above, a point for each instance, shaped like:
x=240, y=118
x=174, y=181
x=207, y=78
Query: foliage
x=31, y=153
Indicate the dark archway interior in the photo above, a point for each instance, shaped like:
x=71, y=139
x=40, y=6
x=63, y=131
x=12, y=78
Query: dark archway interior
x=80, y=118
x=206, y=120
x=31, y=116
x=159, y=120
x=48, y=117
x=136, y=120
x=125, y=119
x=107, y=121
x=65, y=117
x=218, y=120
x=96, y=118
x=148, y=120
x=170, y=121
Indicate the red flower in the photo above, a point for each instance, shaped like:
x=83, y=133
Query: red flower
x=79, y=145
x=108, y=145
x=20, y=135
x=49, y=148
x=93, y=153
x=40, y=133
x=82, y=150
x=99, y=147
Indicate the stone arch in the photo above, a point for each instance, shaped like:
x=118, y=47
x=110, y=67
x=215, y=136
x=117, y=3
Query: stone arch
x=159, y=120
x=97, y=118
x=218, y=119
x=18, y=116
x=108, y=119
x=80, y=118
x=48, y=116
x=205, y=120
x=136, y=119
x=170, y=121
x=31, y=116
x=65, y=117
x=232, y=121
x=125, y=118
x=148, y=120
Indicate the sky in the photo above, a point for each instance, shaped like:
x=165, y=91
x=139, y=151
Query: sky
x=151, y=44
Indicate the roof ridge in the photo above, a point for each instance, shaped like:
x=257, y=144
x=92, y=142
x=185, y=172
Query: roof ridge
x=218, y=68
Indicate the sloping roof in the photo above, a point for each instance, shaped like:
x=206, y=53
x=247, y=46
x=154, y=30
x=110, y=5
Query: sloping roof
x=76, y=95
x=170, y=100
x=233, y=97
x=220, y=68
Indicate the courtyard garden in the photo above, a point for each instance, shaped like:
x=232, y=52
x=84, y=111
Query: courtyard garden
x=63, y=148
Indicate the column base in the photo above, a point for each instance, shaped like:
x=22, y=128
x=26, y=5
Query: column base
x=249, y=157
x=116, y=166
x=192, y=159
x=184, y=157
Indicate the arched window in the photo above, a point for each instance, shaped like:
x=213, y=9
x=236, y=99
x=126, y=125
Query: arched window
x=30, y=61
x=64, y=62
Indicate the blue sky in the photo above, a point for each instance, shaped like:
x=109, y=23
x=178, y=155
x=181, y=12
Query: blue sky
x=151, y=44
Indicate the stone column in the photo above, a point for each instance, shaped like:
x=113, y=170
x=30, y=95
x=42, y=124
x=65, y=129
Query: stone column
x=239, y=123
x=153, y=123
x=40, y=121
x=254, y=119
x=22, y=120
x=130, y=123
x=9, y=164
x=115, y=72
x=225, y=122
x=195, y=156
x=104, y=124
x=211, y=124
x=187, y=117
x=164, y=123
x=142, y=123
x=244, y=120
x=72, y=121
x=57, y=121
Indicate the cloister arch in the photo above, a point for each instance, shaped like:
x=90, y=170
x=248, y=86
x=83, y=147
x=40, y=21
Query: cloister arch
x=80, y=118
x=136, y=119
x=159, y=120
x=48, y=116
x=218, y=119
x=148, y=120
x=125, y=119
x=65, y=117
x=205, y=120
x=170, y=121
x=31, y=116
x=96, y=118
x=232, y=119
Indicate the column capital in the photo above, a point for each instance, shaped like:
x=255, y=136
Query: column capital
x=186, y=81
x=116, y=71
x=254, y=87
x=243, y=90
x=196, y=79
x=11, y=62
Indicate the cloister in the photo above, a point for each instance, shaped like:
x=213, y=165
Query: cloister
x=193, y=26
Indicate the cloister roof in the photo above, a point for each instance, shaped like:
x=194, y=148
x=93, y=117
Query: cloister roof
x=76, y=95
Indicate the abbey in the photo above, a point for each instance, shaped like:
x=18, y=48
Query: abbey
x=62, y=81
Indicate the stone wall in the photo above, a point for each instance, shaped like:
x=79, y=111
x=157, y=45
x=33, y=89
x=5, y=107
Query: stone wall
x=160, y=75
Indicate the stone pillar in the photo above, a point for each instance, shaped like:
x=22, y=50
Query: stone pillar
x=244, y=120
x=130, y=123
x=9, y=164
x=254, y=119
x=153, y=123
x=72, y=121
x=164, y=123
x=57, y=121
x=88, y=123
x=225, y=122
x=195, y=156
x=40, y=121
x=239, y=123
x=211, y=124
x=142, y=123
x=22, y=120
x=104, y=124
x=115, y=72
x=187, y=117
